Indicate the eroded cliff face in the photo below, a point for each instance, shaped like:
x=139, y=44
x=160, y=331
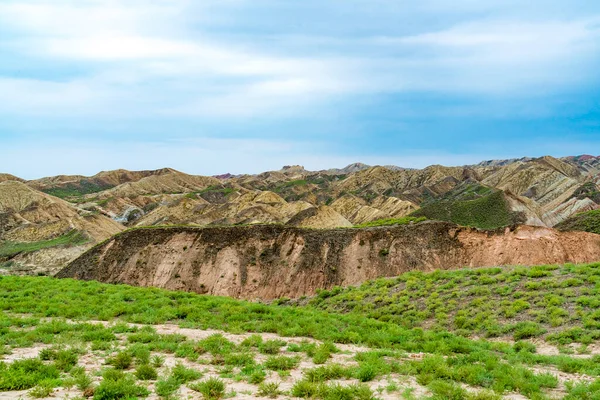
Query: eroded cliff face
x=269, y=262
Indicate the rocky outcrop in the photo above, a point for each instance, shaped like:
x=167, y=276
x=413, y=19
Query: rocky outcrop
x=271, y=261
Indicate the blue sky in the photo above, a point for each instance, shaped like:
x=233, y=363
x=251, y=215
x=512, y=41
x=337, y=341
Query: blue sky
x=214, y=86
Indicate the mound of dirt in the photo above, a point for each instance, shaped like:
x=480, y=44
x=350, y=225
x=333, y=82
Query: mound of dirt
x=271, y=261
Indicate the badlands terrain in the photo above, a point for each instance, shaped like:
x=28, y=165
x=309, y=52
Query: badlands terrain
x=46, y=223
x=476, y=282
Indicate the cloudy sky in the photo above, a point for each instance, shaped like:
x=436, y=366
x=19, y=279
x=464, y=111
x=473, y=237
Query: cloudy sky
x=214, y=86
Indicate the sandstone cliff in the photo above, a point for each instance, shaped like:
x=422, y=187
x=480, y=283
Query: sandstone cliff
x=271, y=261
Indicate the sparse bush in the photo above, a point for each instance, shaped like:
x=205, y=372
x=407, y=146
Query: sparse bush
x=157, y=361
x=167, y=387
x=184, y=375
x=42, y=390
x=121, y=360
x=271, y=346
x=270, y=390
x=211, y=389
x=25, y=374
x=281, y=363
x=122, y=388
x=146, y=372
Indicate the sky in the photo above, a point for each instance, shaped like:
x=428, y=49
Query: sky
x=244, y=86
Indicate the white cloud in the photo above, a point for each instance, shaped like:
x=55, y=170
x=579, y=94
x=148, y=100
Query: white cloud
x=151, y=57
x=171, y=68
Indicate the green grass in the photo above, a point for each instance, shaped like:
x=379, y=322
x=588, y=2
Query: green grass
x=77, y=190
x=391, y=221
x=491, y=211
x=211, y=389
x=25, y=374
x=119, y=387
x=588, y=190
x=556, y=302
x=587, y=221
x=11, y=249
x=387, y=315
x=270, y=390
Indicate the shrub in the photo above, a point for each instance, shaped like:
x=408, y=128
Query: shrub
x=121, y=360
x=257, y=376
x=281, y=363
x=270, y=390
x=525, y=330
x=444, y=390
x=123, y=388
x=211, y=389
x=184, y=375
x=524, y=347
x=252, y=341
x=366, y=372
x=83, y=381
x=157, y=361
x=239, y=359
x=338, y=392
x=42, y=390
x=65, y=359
x=146, y=372
x=271, y=346
x=25, y=374
x=328, y=372
x=305, y=389
x=165, y=388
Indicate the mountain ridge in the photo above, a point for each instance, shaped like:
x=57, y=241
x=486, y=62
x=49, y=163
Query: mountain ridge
x=543, y=191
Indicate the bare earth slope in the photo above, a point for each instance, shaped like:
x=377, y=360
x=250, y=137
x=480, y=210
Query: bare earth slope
x=544, y=191
x=274, y=261
x=73, y=185
x=30, y=219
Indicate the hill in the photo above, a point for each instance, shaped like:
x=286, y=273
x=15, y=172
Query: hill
x=271, y=261
x=586, y=222
x=538, y=191
x=474, y=206
x=39, y=232
x=9, y=177
x=74, y=186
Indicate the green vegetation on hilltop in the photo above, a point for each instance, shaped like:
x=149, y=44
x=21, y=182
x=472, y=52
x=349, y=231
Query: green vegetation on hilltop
x=11, y=249
x=391, y=222
x=491, y=211
x=462, y=192
x=75, y=190
x=588, y=190
x=588, y=221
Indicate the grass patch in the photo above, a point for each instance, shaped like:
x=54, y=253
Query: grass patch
x=25, y=374
x=491, y=211
x=588, y=221
x=211, y=389
x=391, y=222
x=387, y=315
x=11, y=249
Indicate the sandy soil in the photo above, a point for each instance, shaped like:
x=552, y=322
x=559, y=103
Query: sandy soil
x=95, y=361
